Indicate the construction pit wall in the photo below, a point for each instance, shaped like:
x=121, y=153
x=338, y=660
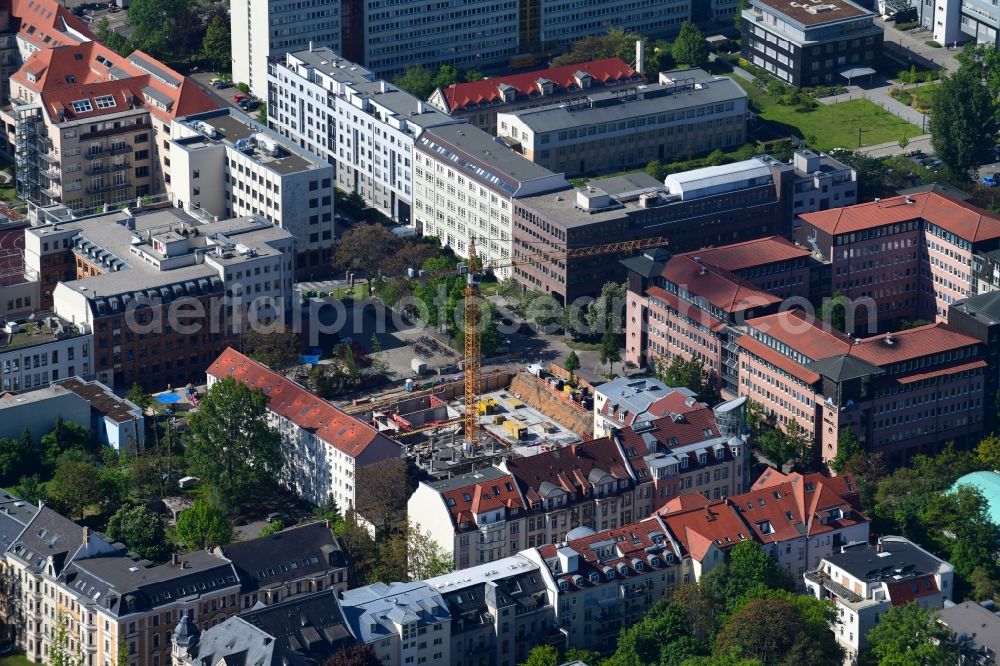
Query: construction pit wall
x=506, y=417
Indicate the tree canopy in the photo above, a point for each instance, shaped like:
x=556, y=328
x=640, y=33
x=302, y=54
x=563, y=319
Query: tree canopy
x=140, y=530
x=278, y=350
x=690, y=47
x=230, y=444
x=691, y=374
x=964, y=123
x=204, y=525
x=910, y=636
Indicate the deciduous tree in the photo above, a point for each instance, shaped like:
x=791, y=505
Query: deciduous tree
x=216, y=46
x=279, y=350
x=140, y=530
x=910, y=636
x=383, y=489
x=18, y=457
x=75, y=486
x=229, y=442
x=417, y=81
x=964, y=122
x=272, y=527
x=204, y=525
x=354, y=655
x=988, y=452
x=363, y=250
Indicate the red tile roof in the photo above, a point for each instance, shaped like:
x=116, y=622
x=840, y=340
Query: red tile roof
x=498, y=493
x=911, y=343
x=571, y=468
x=805, y=335
x=293, y=402
x=777, y=359
x=46, y=23
x=951, y=370
x=723, y=289
x=960, y=218
x=902, y=592
x=75, y=72
x=608, y=72
x=747, y=254
x=778, y=508
x=691, y=427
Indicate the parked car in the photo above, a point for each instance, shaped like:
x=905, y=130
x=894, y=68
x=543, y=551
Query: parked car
x=249, y=104
x=274, y=517
x=991, y=180
x=223, y=84
x=239, y=96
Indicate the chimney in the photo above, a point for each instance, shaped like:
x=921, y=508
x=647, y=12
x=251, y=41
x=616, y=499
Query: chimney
x=420, y=106
x=86, y=536
x=310, y=46
x=638, y=57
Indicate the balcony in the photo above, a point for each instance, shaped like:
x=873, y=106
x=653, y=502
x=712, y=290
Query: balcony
x=111, y=131
x=98, y=189
x=52, y=191
x=51, y=158
x=94, y=154
x=52, y=174
x=121, y=148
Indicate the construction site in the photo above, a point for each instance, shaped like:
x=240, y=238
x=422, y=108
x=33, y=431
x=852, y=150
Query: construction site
x=518, y=413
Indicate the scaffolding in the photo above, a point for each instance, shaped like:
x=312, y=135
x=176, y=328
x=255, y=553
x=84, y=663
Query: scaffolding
x=30, y=146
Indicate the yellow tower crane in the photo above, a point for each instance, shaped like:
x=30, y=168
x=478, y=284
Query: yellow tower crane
x=473, y=313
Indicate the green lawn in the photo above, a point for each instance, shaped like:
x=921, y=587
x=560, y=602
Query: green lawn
x=835, y=125
x=15, y=660
x=358, y=292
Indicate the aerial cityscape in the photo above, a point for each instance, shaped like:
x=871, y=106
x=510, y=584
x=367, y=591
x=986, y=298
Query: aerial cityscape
x=499, y=333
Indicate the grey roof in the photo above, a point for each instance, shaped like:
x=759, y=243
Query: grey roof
x=123, y=586
x=939, y=188
x=483, y=155
x=474, y=595
x=154, y=69
x=48, y=535
x=635, y=183
x=402, y=104
x=323, y=59
x=979, y=627
x=372, y=610
x=896, y=557
x=985, y=306
x=469, y=479
x=163, y=98
x=844, y=368
x=295, y=553
x=610, y=106
x=15, y=514
x=298, y=632
x=636, y=395
x=649, y=264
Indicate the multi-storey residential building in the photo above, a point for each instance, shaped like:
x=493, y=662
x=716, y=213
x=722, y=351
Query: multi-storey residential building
x=479, y=102
x=227, y=166
x=322, y=446
x=797, y=519
x=687, y=112
x=405, y=623
x=475, y=517
x=815, y=181
x=161, y=291
x=302, y=88
x=947, y=20
x=301, y=559
x=865, y=581
x=687, y=305
x=363, y=127
x=499, y=611
x=264, y=30
x=607, y=482
x=475, y=34
x=625, y=401
x=465, y=184
x=265, y=636
x=913, y=255
x=811, y=43
x=88, y=125
x=703, y=208
x=108, y=599
x=606, y=581
x=42, y=350
x=978, y=19
x=900, y=392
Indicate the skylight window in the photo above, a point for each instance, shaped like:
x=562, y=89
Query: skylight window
x=105, y=102
x=82, y=106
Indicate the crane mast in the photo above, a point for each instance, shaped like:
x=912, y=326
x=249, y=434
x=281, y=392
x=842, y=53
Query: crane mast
x=473, y=352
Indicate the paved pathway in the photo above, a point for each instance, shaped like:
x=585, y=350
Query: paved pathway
x=908, y=44
x=879, y=95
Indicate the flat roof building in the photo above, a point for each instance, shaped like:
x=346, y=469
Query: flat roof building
x=225, y=165
x=818, y=42
x=465, y=186
x=687, y=112
x=36, y=350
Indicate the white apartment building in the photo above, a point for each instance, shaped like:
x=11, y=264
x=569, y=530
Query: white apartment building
x=264, y=30
x=405, y=623
x=464, y=182
x=226, y=166
x=301, y=91
x=865, y=581
x=364, y=127
x=322, y=447
x=43, y=350
x=563, y=23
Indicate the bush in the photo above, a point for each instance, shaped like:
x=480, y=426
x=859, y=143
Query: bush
x=907, y=25
x=931, y=43
x=243, y=88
